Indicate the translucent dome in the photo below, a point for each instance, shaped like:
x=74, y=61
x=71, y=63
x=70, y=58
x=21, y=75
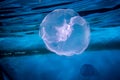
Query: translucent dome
x=65, y=32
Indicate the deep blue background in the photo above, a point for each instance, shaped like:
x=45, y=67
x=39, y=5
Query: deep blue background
x=23, y=55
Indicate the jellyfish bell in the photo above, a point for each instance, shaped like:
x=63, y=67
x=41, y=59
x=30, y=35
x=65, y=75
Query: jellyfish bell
x=65, y=32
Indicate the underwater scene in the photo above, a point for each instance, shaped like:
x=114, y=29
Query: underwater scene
x=59, y=39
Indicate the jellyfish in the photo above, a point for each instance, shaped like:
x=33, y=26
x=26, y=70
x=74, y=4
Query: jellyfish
x=64, y=32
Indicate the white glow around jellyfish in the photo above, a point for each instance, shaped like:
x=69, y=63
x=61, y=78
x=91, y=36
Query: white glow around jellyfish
x=65, y=32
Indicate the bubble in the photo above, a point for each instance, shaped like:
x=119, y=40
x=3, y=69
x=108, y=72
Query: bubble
x=65, y=32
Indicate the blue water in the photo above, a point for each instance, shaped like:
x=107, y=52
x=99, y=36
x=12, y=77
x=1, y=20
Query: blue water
x=23, y=55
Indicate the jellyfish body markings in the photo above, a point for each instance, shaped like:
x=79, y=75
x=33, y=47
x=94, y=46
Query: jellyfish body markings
x=65, y=32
